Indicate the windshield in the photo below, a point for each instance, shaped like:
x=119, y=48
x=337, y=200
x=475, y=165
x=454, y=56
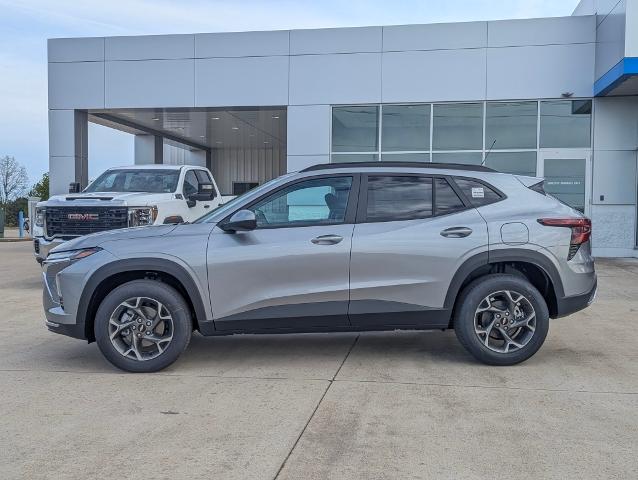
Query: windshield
x=227, y=207
x=125, y=180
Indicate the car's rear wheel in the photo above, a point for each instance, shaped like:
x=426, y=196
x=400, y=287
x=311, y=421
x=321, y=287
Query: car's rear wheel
x=501, y=319
x=143, y=326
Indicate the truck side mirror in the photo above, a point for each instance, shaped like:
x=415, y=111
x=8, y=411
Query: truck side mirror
x=205, y=192
x=74, y=187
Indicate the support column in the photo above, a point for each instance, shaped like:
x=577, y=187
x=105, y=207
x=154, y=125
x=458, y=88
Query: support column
x=149, y=149
x=68, y=149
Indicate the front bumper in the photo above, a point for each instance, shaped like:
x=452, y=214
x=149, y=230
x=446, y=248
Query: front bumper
x=568, y=305
x=42, y=247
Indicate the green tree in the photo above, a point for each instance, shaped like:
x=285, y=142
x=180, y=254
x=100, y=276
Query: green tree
x=41, y=189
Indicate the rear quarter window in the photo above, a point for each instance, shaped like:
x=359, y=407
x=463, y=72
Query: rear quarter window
x=478, y=193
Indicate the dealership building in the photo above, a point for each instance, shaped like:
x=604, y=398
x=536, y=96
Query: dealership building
x=548, y=97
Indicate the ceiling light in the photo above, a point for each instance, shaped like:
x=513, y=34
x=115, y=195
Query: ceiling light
x=155, y=119
x=218, y=141
x=275, y=116
x=235, y=128
x=265, y=143
x=251, y=134
x=202, y=136
x=214, y=118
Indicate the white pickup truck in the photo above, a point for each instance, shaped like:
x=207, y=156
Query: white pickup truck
x=126, y=197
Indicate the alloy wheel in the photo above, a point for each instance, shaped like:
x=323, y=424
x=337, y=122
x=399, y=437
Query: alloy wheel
x=505, y=321
x=141, y=328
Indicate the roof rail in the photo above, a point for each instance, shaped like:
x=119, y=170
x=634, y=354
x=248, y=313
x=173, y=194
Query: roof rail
x=382, y=164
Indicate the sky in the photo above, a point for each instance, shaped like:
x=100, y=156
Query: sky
x=25, y=26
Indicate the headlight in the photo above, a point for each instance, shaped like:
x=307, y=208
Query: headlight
x=39, y=217
x=140, y=216
x=71, y=255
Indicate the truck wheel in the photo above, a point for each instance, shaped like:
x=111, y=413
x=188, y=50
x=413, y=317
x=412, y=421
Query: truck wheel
x=501, y=319
x=143, y=326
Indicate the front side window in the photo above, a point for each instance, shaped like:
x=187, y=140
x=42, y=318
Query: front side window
x=191, y=185
x=393, y=198
x=320, y=201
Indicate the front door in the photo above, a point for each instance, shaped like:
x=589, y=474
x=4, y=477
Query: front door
x=566, y=173
x=292, y=270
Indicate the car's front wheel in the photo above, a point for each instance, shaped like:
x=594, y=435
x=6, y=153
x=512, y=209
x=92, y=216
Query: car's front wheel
x=143, y=326
x=501, y=319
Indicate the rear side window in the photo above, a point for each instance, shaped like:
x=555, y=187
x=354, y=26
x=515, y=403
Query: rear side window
x=445, y=198
x=478, y=193
x=393, y=198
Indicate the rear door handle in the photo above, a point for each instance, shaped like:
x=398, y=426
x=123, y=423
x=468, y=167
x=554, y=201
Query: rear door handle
x=327, y=239
x=456, y=232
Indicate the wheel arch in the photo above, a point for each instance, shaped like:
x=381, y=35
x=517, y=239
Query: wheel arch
x=110, y=276
x=532, y=265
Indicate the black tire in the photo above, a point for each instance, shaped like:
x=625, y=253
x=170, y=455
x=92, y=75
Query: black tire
x=466, y=307
x=181, y=324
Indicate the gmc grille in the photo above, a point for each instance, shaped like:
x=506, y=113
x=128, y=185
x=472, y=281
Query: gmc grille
x=76, y=221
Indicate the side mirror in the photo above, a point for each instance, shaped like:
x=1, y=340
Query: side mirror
x=205, y=191
x=241, y=221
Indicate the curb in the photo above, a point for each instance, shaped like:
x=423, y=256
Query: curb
x=15, y=240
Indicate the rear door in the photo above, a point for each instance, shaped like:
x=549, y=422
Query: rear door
x=412, y=234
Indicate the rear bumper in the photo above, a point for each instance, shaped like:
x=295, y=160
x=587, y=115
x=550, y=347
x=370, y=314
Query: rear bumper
x=568, y=305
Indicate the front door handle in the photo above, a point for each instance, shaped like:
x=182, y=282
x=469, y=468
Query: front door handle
x=327, y=239
x=456, y=232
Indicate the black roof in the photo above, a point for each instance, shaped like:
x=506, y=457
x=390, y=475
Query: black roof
x=425, y=165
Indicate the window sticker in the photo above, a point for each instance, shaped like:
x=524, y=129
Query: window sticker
x=478, y=192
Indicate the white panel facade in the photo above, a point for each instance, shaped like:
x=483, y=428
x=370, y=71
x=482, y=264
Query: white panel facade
x=309, y=130
x=159, y=47
x=340, y=78
x=149, y=83
x=631, y=29
x=542, y=31
x=61, y=174
x=76, y=85
x=540, y=71
x=614, y=179
x=76, y=49
x=435, y=36
x=299, y=162
x=253, y=81
x=241, y=44
x=610, y=39
x=336, y=40
x=616, y=123
x=437, y=75
x=61, y=133
x=614, y=230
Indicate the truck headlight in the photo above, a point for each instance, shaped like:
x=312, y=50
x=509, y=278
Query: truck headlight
x=140, y=216
x=39, y=217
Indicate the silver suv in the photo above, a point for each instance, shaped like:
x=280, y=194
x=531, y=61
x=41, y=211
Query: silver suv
x=339, y=247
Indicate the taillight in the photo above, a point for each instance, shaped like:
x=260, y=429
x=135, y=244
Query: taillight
x=581, y=230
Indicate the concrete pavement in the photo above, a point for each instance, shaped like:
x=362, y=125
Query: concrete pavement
x=338, y=406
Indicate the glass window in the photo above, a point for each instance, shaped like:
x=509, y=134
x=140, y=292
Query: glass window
x=321, y=201
x=405, y=157
x=393, y=198
x=351, y=157
x=446, y=200
x=566, y=124
x=478, y=193
x=468, y=158
x=565, y=180
x=125, y=180
x=518, y=163
x=355, y=129
x=191, y=185
x=405, y=128
x=511, y=125
x=458, y=126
